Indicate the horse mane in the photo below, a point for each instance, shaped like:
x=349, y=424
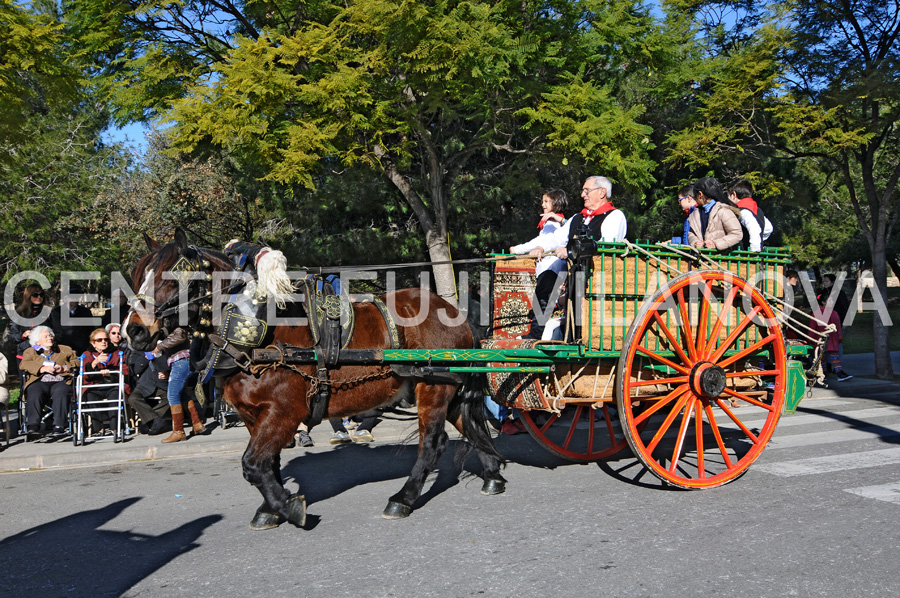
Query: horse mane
x=272, y=277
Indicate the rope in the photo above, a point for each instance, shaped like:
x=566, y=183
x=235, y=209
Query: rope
x=377, y=267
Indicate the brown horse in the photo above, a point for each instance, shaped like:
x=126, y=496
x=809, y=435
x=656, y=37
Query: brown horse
x=274, y=403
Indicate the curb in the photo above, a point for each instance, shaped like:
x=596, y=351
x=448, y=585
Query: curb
x=84, y=457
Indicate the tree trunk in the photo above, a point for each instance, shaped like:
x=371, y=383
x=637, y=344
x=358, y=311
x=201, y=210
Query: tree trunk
x=444, y=277
x=884, y=369
x=434, y=225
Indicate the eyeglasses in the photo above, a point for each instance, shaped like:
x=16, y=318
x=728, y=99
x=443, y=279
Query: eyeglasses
x=115, y=334
x=684, y=197
x=588, y=189
x=100, y=340
x=41, y=295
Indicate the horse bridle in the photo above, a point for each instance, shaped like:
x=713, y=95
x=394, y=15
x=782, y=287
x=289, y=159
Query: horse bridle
x=187, y=266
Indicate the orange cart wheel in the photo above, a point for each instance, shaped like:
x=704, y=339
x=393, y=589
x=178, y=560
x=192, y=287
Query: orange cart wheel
x=701, y=379
x=579, y=433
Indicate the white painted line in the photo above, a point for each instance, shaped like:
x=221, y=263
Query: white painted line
x=885, y=492
x=837, y=416
x=832, y=437
x=830, y=464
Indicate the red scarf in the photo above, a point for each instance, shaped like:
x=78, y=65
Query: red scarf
x=747, y=203
x=543, y=222
x=607, y=207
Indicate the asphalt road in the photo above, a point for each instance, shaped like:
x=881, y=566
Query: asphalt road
x=817, y=515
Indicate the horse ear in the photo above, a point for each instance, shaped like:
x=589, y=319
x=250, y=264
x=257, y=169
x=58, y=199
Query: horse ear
x=151, y=244
x=181, y=239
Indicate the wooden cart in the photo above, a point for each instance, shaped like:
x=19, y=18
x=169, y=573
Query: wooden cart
x=681, y=358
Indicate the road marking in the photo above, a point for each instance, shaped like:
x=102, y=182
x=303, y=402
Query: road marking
x=841, y=416
x=832, y=463
x=885, y=492
x=832, y=437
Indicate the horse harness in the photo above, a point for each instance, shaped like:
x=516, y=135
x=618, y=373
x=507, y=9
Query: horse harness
x=331, y=320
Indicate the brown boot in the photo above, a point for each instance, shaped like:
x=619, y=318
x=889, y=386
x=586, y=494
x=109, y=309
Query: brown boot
x=177, y=425
x=199, y=428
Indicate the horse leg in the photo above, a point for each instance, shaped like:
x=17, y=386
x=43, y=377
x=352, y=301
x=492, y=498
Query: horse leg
x=262, y=468
x=433, y=440
x=494, y=483
x=467, y=416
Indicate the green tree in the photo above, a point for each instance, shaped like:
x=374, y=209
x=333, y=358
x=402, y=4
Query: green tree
x=814, y=84
x=429, y=95
x=53, y=161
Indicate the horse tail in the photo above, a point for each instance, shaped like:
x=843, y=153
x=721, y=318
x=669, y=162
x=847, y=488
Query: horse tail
x=470, y=402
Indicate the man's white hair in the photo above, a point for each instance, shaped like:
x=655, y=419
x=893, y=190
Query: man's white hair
x=601, y=181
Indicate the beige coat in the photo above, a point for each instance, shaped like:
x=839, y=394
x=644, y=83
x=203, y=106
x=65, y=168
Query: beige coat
x=723, y=228
x=32, y=361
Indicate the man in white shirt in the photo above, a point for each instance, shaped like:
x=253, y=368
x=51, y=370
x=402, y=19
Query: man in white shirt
x=599, y=220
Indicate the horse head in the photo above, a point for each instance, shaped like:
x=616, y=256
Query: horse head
x=172, y=280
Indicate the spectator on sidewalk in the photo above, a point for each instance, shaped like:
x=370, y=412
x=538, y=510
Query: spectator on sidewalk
x=831, y=356
x=49, y=369
x=148, y=399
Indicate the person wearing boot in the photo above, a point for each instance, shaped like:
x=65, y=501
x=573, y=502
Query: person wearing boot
x=176, y=349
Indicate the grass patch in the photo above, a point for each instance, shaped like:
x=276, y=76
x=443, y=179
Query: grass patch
x=858, y=337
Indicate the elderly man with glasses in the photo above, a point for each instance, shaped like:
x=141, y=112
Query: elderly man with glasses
x=599, y=221
x=599, y=218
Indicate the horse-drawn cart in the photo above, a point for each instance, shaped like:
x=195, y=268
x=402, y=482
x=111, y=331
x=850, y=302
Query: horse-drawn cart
x=675, y=355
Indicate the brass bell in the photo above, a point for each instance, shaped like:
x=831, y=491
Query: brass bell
x=208, y=277
x=196, y=334
x=254, y=302
x=206, y=264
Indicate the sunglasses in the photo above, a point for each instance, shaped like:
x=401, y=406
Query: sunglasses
x=100, y=340
x=115, y=334
x=37, y=294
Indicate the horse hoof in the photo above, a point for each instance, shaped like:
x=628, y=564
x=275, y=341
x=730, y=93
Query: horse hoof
x=396, y=510
x=296, y=508
x=492, y=487
x=263, y=521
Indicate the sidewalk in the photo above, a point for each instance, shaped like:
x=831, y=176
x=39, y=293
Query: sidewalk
x=45, y=454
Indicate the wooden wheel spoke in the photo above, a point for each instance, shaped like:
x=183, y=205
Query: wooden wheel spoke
x=672, y=342
x=738, y=330
x=748, y=351
x=664, y=427
x=550, y=421
x=609, y=426
x=686, y=326
x=717, y=327
x=718, y=435
x=682, y=432
x=677, y=380
x=701, y=465
x=572, y=427
x=704, y=315
x=753, y=437
x=747, y=398
x=660, y=404
x=662, y=359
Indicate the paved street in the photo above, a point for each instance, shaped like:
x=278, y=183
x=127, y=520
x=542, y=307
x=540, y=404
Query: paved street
x=817, y=515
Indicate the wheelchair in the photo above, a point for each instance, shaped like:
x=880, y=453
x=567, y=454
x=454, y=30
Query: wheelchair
x=80, y=413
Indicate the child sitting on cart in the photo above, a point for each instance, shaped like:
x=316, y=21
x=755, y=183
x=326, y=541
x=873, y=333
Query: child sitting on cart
x=553, y=204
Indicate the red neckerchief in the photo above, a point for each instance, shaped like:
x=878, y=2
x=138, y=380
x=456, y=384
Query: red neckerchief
x=747, y=203
x=543, y=222
x=607, y=207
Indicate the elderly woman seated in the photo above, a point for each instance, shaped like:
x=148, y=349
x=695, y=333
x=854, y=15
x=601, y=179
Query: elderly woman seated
x=49, y=370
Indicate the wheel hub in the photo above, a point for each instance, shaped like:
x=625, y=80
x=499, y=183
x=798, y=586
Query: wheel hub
x=707, y=380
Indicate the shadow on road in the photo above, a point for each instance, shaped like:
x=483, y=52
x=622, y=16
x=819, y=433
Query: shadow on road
x=73, y=556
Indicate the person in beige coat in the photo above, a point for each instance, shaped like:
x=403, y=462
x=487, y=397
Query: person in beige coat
x=713, y=225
